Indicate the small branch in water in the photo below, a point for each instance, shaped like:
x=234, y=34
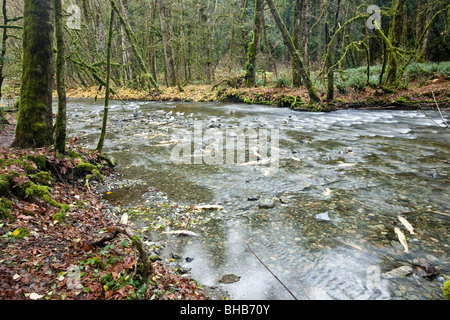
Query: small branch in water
x=437, y=106
x=275, y=275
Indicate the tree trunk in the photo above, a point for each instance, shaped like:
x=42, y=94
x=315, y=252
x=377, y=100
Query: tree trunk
x=253, y=49
x=153, y=41
x=306, y=34
x=426, y=15
x=60, y=125
x=296, y=39
x=294, y=53
x=3, y=48
x=395, y=38
x=134, y=48
x=34, y=121
x=101, y=140
x=330, y=48
x=127, y=55
x=168, y=54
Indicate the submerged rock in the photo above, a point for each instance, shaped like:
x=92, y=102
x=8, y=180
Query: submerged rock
x=266, y=204
x=175, y=255
x=229, y=278
x=322, y=216
x=400, y=272
x=424, y=268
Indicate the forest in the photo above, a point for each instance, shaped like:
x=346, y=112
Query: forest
x=308, y=59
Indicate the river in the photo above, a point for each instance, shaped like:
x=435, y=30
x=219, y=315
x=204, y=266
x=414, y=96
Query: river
x=333, y=185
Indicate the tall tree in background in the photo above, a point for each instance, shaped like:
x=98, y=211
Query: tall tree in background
x=127, y=55
x=395, y=35
x=253, y=49
x=329, y=32
x=424, y=14
x=34, y=120
x=5, y=37
x=101, y=140
x=60, y=125
x=168, y=52
x=294, y=53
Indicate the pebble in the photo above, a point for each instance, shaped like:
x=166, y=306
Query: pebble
x=266, y=204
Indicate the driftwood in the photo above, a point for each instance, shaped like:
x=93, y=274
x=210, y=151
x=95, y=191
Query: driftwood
x=136, y=242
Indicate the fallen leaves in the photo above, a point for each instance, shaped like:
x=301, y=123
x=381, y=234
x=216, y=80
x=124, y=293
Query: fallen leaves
x=40, y=265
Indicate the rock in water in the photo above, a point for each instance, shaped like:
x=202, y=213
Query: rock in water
x=323, y=216
x=424, y=268
x=398, y=272
x=266, y=204
x=229, y=278
x=175, y=255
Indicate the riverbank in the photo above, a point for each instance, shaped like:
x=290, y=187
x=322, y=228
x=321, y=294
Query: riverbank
x=423, y=95
x=61, y=241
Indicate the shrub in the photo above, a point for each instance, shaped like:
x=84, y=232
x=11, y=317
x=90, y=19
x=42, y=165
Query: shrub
x=282, y=82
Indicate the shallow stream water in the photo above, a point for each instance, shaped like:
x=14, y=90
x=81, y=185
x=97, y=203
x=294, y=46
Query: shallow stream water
x=339, y=182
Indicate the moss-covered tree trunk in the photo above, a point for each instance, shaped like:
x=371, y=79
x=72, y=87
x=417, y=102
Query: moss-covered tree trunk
x=395, y=39
x=294, y=53
x=330, y=48
x=60, y=126
x=296, y=39
x=250, y=71
x=34, y=120
x=101, y=140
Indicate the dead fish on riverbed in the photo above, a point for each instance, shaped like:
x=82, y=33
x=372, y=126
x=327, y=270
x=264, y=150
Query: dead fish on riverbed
x=182, y=233
x=407, y=225
x=402, y=239
x=250, y=163
x=209, y=206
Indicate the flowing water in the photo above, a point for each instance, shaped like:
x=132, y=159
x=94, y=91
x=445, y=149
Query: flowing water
x=338, y=185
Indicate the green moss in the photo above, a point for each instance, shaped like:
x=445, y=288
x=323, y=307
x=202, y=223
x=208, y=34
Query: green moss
x=5, y=184
x=446, y=290
x=29, y=167
x=87, y=167
x=137, y=243
x=401, y=100
x=40, y=161
x=74, y=154
x=5, y=208
x=32, y=190
x=98, y=174
x=60, y=216
x=43, y=178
